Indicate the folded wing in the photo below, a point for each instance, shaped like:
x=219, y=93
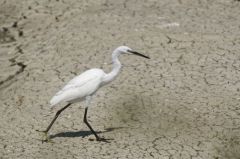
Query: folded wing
x=79, y=87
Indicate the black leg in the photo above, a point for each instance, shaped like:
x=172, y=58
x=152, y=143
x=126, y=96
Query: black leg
x=89, y=126
x=46, y=138
x=55, y=118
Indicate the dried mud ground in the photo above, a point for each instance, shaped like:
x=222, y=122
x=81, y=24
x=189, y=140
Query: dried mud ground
x=182, y=103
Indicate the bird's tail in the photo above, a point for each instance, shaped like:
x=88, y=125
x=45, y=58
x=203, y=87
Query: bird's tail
x=54, y=101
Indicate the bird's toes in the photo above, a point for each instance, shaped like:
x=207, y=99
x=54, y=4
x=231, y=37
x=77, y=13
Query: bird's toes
x=42, y=131
x=47, y=140
x=102, y=139
x=45, y=137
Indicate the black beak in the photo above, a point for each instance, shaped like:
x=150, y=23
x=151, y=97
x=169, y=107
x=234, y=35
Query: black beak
x=137, y=53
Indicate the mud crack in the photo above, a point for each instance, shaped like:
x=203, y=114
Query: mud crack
x=21, y=69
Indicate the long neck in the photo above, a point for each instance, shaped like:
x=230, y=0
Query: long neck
x=116, y=68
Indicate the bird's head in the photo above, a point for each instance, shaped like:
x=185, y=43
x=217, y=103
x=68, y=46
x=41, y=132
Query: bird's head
x=127, y=50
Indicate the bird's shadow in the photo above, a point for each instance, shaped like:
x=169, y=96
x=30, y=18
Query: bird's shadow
x=81, y=133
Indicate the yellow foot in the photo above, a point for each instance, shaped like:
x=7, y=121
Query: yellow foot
x=47, y=140
x=101, y=140
x=45, y=137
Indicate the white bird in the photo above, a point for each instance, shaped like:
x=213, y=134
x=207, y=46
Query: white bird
x=82, y=87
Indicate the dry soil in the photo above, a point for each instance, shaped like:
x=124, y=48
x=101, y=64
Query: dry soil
x=183, y=103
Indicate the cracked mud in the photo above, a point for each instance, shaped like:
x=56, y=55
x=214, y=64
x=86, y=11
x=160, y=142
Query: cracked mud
x=183, y=103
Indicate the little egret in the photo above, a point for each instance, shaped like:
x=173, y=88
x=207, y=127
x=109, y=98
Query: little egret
x=82, y=87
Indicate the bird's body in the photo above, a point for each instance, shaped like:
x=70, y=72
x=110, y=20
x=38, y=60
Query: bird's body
x=83, y=86
x=80, y=87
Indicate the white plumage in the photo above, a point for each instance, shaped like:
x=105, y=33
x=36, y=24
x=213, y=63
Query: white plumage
x=85, y=85
x=79, y=87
